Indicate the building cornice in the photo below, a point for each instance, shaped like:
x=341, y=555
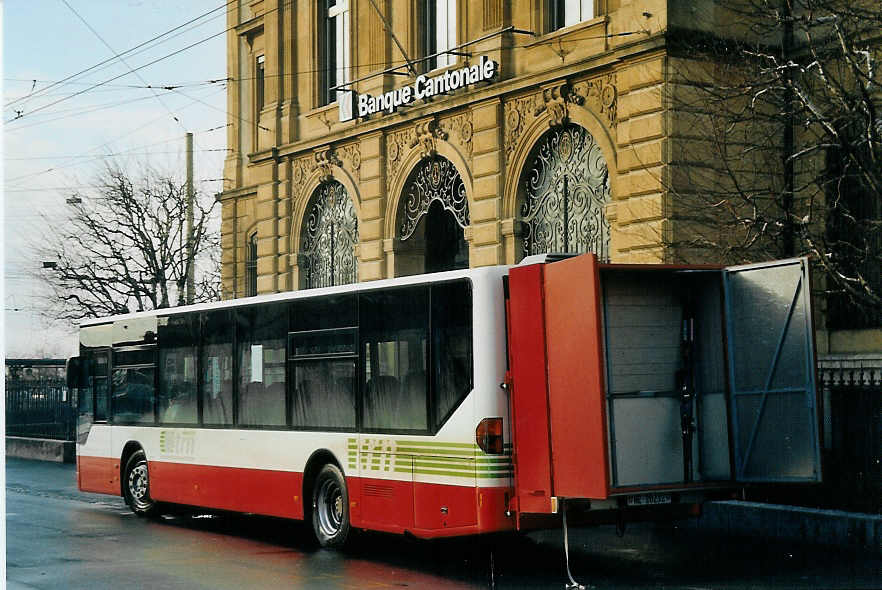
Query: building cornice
x=250, y=26
x=236, y=193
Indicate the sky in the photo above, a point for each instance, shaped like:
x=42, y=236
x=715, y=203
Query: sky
x=61, y=124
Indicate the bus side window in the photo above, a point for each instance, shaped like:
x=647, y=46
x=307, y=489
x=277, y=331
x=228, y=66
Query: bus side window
x=83, y=383
x=178, y=337
x=98, y=376
x=260, y=337
x=216, y=376
x=394, y=327
x=323, y=375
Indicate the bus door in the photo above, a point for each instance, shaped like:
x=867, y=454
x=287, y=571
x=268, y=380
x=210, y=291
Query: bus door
x=773, y=396
x=94, y=464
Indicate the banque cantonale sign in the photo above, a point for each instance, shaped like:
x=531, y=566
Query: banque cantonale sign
x=361, y=105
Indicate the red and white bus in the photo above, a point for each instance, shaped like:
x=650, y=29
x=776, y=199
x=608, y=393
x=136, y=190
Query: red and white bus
x=458, y=403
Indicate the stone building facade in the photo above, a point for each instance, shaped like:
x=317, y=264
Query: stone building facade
x=563, y=150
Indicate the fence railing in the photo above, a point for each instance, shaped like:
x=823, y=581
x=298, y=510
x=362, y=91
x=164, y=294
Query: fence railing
x=39, y=408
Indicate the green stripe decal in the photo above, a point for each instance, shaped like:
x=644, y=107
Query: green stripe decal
x=418, y=451
x=463, y=466
x=406, y=443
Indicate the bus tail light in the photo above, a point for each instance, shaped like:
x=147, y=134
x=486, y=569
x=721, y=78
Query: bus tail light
x=489, y=435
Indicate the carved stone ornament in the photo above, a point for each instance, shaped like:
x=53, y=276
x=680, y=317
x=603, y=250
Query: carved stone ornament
x=351, y=154
x=300, y=169
x=516, y=113
x=426, y=132
x=297, y=171
x=324, y=160
x=601, y=94
x=555, y=100
x=460, y=129
x=396, y=144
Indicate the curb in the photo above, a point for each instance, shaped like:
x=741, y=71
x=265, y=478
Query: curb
x=40, y=449
x=792, y=523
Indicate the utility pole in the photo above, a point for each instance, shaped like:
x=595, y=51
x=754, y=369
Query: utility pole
x=190, y=273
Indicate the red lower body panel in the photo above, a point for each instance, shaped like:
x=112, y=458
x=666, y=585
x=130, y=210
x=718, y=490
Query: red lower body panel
x=421, y=509
x=380, y=504
x=273, y=493
x=98, y=474
x=427, y=510
x=492, y=506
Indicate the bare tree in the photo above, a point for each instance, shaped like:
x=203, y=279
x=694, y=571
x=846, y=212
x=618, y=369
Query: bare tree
x=780, y=136
x=124, y=247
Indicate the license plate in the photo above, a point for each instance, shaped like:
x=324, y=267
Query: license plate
x=649, y=499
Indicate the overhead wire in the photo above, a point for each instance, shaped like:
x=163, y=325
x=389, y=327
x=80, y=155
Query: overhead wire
x=243, y=119
x=106, y=143
x=124, y=62
x=299, y=72
x=128, y=51
x=155, y=61
x=211, y=106
x=109, y=155
x=148, y=64
x=110, y=87
x=77, y=111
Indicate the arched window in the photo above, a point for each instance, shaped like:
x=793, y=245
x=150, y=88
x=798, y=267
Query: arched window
x=251, y=266
x=563, y=191
x=432, y=214
x=328, y=238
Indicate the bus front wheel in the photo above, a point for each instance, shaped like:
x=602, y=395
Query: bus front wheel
x=136, y=486
x=330, y=507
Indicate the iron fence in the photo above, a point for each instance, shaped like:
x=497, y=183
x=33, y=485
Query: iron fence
x=39, y=408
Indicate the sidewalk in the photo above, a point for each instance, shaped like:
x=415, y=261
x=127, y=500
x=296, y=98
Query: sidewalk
x=791, y=523
x=41, y=449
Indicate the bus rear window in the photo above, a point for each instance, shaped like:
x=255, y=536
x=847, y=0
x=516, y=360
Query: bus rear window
x=451, y=346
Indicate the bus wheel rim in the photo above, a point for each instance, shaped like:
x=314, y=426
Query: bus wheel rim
x=139, y=486
x=330, y=508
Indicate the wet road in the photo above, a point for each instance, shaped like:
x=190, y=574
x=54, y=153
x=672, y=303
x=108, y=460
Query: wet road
x=58, y=537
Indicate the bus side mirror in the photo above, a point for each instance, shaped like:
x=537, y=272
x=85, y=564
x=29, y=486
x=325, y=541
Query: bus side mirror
x=73, y=370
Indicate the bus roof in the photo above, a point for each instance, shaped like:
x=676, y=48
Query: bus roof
x=471, y=273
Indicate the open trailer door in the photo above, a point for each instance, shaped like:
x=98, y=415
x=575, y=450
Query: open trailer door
x=772, y=372
x=555, y=352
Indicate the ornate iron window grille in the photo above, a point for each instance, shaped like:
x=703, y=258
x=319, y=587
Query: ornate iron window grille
x=434, y=179
x=328, y=238
x=565, y=187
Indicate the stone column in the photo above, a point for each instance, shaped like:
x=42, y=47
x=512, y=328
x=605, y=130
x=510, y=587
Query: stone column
x=642, y=227
x=266, y=213
x=371, y=255
x=228, y=248
x=483, y=235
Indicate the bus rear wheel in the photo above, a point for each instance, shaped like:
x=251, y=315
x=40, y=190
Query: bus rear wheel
x=136, y=485
x=330, y=507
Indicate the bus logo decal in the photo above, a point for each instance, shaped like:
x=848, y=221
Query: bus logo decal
x=177, y=444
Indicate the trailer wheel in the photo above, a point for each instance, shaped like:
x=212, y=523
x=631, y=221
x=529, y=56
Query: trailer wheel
x=330, y=507
x=136, y=485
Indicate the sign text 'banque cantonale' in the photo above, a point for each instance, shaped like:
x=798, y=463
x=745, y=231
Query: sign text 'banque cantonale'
x=362, y=105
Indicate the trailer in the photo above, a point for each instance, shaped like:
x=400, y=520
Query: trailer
x=635, y=387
